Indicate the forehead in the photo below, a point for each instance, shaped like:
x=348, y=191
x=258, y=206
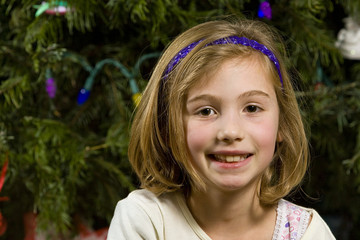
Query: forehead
x=246, y=73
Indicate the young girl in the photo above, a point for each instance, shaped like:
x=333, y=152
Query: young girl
x=217, y=142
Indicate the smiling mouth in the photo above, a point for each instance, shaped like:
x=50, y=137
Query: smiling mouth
x=230, y=159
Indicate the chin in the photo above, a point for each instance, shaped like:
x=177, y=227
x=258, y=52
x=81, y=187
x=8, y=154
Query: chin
x=231, y=186
x=237, y=184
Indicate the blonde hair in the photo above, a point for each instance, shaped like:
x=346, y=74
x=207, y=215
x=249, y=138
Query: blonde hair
x=158, y=149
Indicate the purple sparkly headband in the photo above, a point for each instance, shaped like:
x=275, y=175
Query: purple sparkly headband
x=228, y=40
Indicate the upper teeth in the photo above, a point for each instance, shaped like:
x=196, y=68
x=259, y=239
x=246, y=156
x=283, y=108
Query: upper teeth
x=237, y=158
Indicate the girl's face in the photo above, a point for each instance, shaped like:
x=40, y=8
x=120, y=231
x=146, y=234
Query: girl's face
x=231, y=122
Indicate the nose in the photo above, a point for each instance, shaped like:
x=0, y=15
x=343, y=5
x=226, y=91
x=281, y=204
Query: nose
x=230, y=128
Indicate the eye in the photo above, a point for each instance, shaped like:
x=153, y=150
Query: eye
x=252, y=109
x=206, y=112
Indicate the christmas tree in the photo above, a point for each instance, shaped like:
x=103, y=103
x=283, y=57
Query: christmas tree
x=72, y=72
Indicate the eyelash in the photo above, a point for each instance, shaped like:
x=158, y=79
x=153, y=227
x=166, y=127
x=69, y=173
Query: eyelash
x=257, y=108
x=210, y=111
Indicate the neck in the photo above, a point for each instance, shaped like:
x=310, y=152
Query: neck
x=224, y=205
x=221, y=213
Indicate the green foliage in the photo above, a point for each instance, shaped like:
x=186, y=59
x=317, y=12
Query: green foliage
x=315, y=42
x=67, y=159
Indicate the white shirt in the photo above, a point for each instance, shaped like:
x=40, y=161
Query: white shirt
x=143, y=215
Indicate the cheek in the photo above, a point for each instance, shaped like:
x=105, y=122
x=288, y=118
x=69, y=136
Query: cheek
x=266, y=135
x=198, y=137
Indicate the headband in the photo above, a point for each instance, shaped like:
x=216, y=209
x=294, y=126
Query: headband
x=228, y=40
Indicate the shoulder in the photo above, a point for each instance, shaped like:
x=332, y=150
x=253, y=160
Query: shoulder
x=141, y=215
x=136, y=217
x=318, y=229
x=143, y=202
x=295, y=222
x=148, y=201
x=141, y=196
x=291, y=221
x=292, y=212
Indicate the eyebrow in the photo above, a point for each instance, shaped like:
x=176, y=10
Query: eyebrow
x=245, y=94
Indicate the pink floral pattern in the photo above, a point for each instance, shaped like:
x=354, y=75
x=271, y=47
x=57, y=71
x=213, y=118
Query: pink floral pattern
x=291, y=221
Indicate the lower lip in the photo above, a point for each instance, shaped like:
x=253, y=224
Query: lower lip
x=232, y=165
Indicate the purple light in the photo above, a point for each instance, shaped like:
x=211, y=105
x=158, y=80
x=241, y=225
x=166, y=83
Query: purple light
x=51, y=87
